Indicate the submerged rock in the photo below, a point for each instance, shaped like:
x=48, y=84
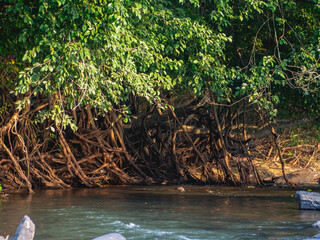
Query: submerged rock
x=110, y=236
x=308, y=200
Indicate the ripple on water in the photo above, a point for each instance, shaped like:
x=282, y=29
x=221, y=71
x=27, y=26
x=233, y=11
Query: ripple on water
x=147, y=233
x=157, y=213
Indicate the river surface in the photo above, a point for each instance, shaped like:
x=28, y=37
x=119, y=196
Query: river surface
x=160, y=212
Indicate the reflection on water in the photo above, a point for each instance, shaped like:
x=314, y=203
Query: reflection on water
x=160, y=212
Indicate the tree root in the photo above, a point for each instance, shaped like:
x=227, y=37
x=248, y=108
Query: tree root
x=158, y=147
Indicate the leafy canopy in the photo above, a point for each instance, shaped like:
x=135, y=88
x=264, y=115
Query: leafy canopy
x=97, y=53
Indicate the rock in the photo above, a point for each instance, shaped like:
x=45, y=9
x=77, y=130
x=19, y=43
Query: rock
x=110, y=236
x=308, y=200
x=316, y=224
x=300, y=177
x=265, y=175
x=313, y=238
x=25, y=230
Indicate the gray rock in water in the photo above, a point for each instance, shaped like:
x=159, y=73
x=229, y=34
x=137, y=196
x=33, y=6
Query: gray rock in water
x=313, y=238
x=308, y=200
x=25, y=230
x=110, y=236
x=316, y=224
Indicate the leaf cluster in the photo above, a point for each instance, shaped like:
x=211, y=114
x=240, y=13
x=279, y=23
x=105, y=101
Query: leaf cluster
x=99, y=53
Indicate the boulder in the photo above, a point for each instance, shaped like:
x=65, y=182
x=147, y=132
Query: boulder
x=316, y=236
x=316, y=224
x=300, y=177
x=110, y=236
x=308, y=200
x=265, y=175
x=25, y=230
x=313, y=238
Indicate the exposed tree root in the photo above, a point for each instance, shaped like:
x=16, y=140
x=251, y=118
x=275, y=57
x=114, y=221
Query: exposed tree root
x=196, y=143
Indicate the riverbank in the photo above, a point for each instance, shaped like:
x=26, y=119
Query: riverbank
x=179, y=154
x=299, y=147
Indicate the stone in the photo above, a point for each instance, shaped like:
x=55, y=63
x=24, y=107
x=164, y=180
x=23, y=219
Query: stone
x=316, y=224
x=25, y=230
x=313, y=238
x=265, y=175
x=316, y=236
x=110, y=236
x=308, y=200
x=300, y=177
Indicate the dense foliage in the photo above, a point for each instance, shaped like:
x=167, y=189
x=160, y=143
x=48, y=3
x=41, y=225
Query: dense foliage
x=97, y=53
x=119, y=57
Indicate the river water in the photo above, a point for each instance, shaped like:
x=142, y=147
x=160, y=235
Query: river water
x=160, y=212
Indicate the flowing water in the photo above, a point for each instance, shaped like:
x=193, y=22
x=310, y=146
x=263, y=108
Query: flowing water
x=160, y=212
